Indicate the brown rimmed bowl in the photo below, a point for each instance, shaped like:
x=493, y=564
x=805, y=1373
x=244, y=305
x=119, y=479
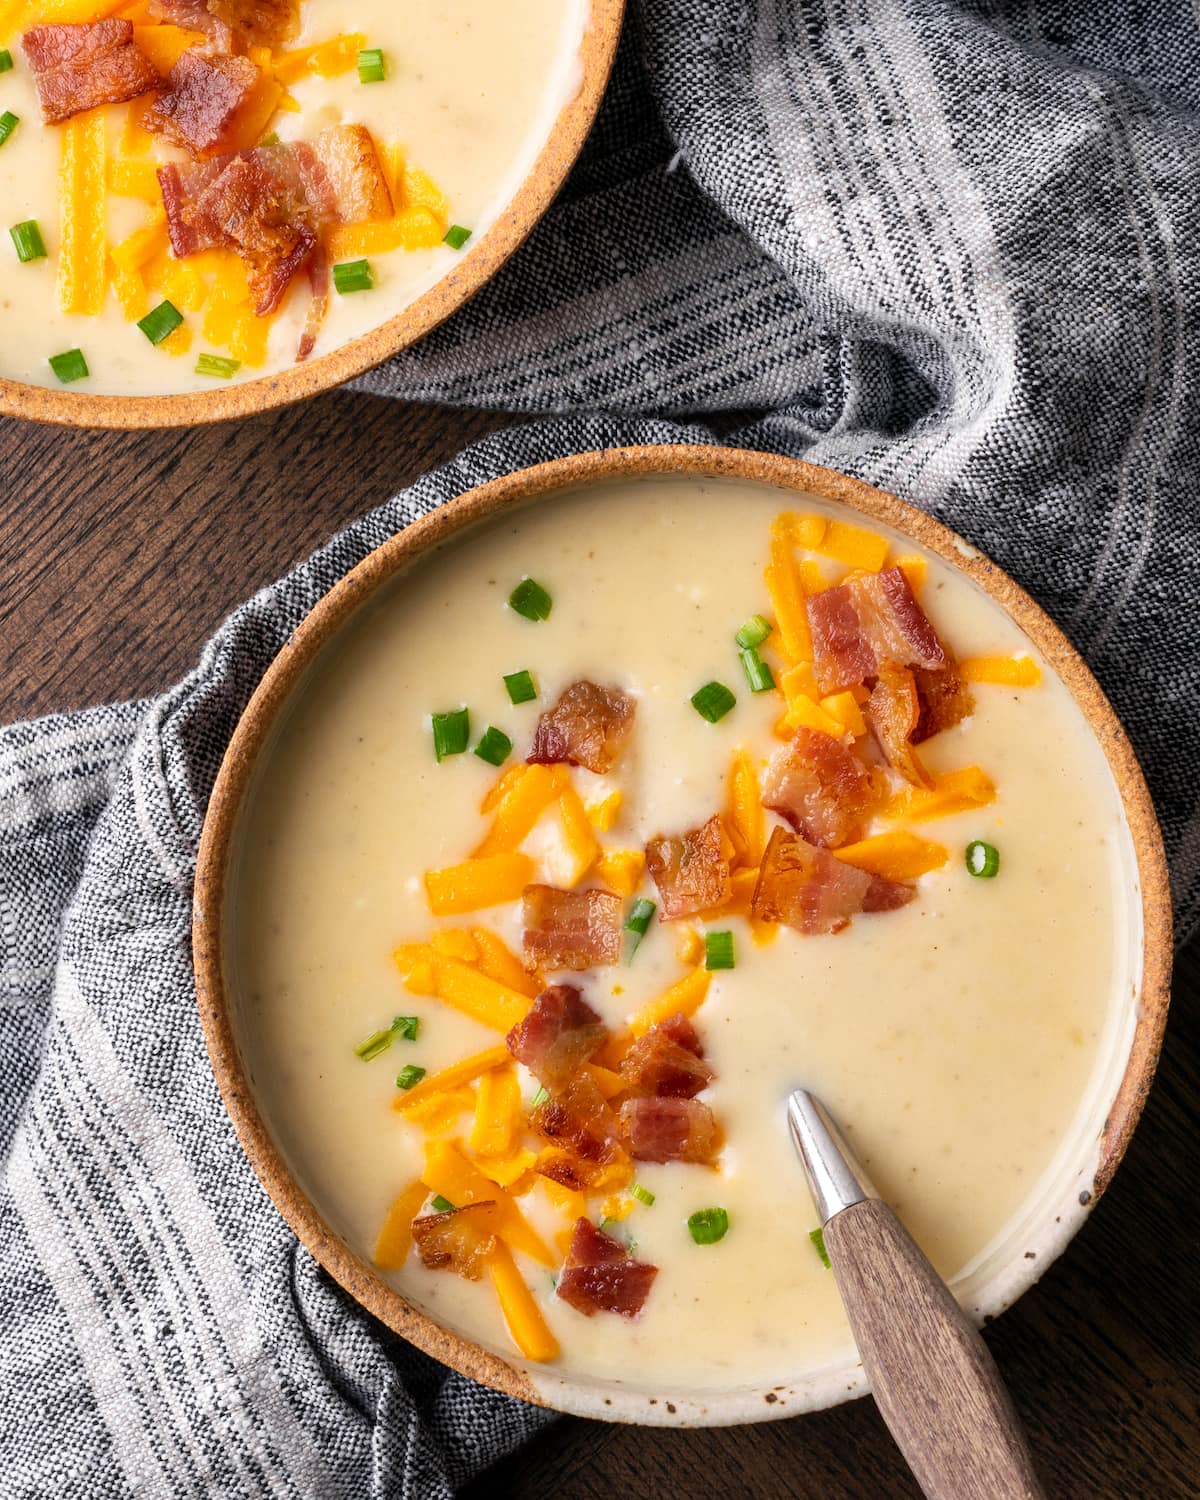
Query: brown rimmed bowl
x=1094, y=1152
x=469, y=274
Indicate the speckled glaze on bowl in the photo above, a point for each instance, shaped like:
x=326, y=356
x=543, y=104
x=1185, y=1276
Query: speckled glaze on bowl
x=298, y=381
x=1094, y=1157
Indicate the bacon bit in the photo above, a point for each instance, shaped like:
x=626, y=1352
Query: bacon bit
x=246, y=23
x=79, y=67
x=691, y=870
x=564, y=1172
x=841, y=653
x=579, y=1118
x=345, y=178
x=203, y=101
x=887, y=895
x=658, y=1065
x=821, y=788
x=586, y=727
x=670, y=1130
x=894, y=709
x=681, y=1031
x=806, y=888
x=570, y=929
x=867, y=620
x=194, y=15
x=945, y=700
x=600, y=1275
x=459, y=1240
x=558, y=1035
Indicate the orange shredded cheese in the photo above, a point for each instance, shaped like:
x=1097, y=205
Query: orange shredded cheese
x=395, y=1238
x=486, y=881
x=529, y=1330
x=83, y=248
x=896, y=855
x=452, y=1077
x=1006, y=671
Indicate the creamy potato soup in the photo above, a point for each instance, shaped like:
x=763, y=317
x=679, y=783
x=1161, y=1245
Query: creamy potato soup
x=929, y=925
x=325, y=164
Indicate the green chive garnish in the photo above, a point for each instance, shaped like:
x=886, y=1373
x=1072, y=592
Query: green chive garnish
x=713, y=701
x=406, y=1027
x=370, y=65
x=758, y=673
x=818, y=1238
x=708, y=1225
x=450, y=733
x=530, y=599
x=718, y=950
x=6, y=61
x=69, y=366
x=638, y=923
x=540, y=1097
x=27, y=237
x=441, y=1205
x=409, y=1076
x=456, y=236
x=372, y=1046
x=520, y=687
x=218, y=365
x=983, y=860
x=643, y=1195
x=8, y=123
x=353, y=276
x=494, y=746
x=753, y=633
x=160, y=321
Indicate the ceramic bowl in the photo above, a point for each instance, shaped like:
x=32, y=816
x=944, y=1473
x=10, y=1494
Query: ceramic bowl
x=477, y=266
x=1094, y=1151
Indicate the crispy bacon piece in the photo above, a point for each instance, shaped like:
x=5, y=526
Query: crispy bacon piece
x=657, y=1065
x=202, y=102
x=670, y=1130
x=868, y=620
x=557, y=1036
x=79, y=67
x=246, y=23
x=459, y=1240
x=807, y=888
x=586, y=727
x=691, y=870
x=600, y=1275
x=821, y=788
x=194, y=15
x=570, y=929
x=343, y=178
x=893, y=710
x=945, y=700
x=580, y=1120
x=681, y=1031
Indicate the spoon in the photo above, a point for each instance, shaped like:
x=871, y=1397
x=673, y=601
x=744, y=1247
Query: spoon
x=932, y=1377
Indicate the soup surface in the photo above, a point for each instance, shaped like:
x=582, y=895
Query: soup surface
x=470, y=93
x=963, y=1040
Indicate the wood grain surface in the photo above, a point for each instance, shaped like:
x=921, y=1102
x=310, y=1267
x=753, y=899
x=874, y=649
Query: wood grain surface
x=119, y=553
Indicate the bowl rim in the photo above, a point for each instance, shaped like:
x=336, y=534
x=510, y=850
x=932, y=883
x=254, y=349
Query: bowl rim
x=468, y=275
x=579, y=1395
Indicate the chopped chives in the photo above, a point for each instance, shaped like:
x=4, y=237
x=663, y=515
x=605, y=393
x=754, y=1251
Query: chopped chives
x=530, y=599
x=406, y=1027
x=983, y=860
x=409, y=1076
x=69, y=366
x=6, y=61
x=758, y=672
x=713, y=701
x=372, y=1046
x=218, y=365
x=540, y=1097
x=753, y=633
x=160, y=321
x=450, y=733
x=643, y=1195
x=27, y=238
x=818, y=1238
x=718, y=950
x=352, y=276
x=8, y=123
x=494, y=746
x=520, y=687
x=371, y=67
x=708, y=1225
x=456, y=236
x=638, y=922
x=441, y=1205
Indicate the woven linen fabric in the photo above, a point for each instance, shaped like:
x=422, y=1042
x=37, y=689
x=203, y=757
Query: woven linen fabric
x=949, y=249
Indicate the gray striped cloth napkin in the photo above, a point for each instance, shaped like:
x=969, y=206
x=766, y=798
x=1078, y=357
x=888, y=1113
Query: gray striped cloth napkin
x=948, y=248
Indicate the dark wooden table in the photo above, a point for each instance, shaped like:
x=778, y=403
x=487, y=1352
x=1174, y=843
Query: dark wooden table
x=122, y=552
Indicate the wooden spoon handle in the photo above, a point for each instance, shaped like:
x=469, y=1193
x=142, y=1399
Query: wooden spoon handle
x=932, y=1376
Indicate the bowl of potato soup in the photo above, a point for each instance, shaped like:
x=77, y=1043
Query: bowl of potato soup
x=215, y=207
x=594, y=812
